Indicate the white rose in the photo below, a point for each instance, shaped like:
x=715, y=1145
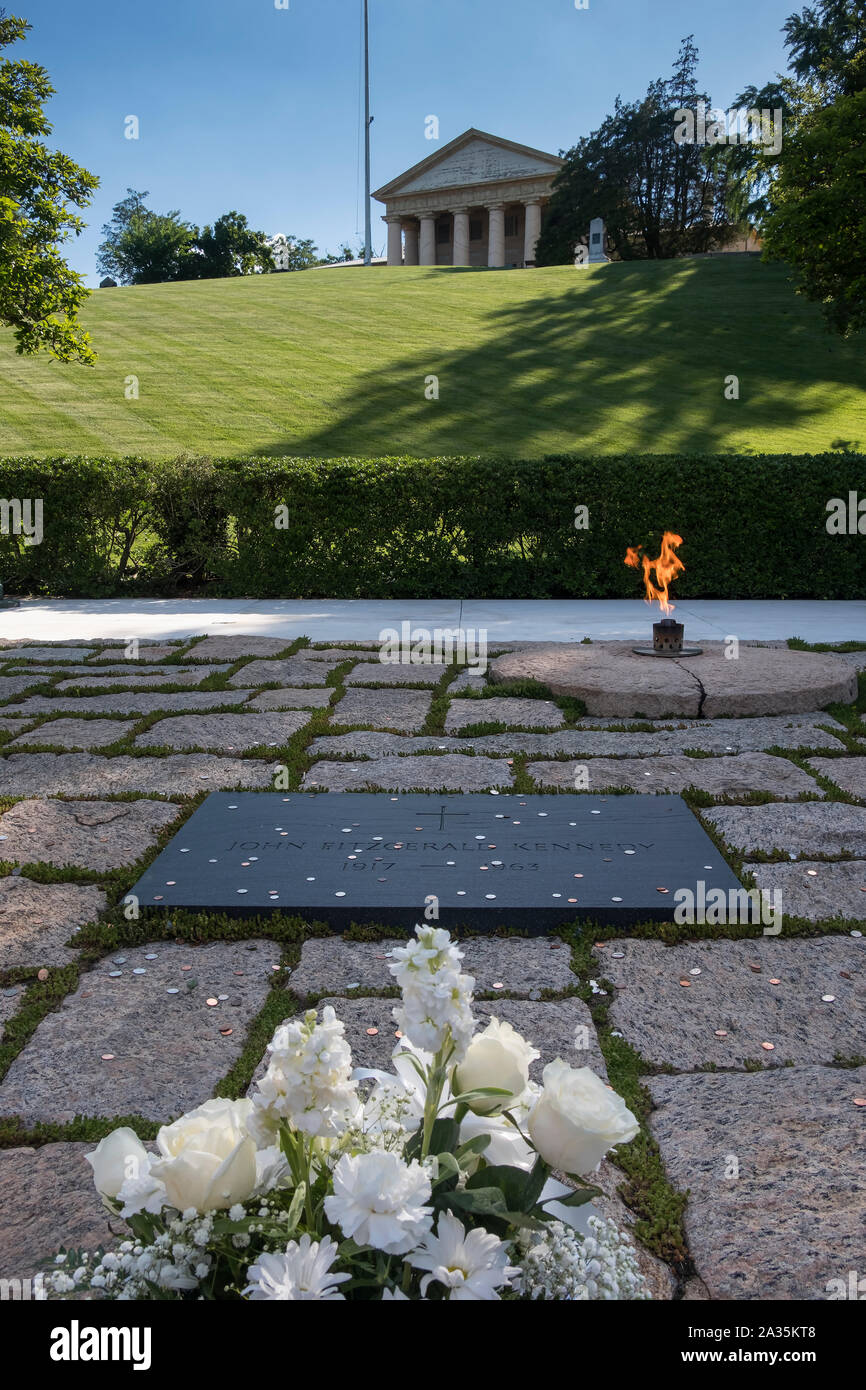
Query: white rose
x=577, y=1118
x=208, y=1158
x=117, y=1157
x=497, y=1057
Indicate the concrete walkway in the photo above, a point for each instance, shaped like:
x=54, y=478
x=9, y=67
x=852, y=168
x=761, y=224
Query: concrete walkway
x=505, y=620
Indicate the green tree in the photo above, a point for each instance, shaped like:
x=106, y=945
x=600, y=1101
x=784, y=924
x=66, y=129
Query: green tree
x=142, y=247
x=810, y=198
x=39, y=295
x=817, y=210
x=658, y=198
x=230, y=247
x=291, y=254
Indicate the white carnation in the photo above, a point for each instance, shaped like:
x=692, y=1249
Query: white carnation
x=380, y=1200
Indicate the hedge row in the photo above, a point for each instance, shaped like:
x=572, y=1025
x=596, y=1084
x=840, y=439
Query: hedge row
x=753, y=527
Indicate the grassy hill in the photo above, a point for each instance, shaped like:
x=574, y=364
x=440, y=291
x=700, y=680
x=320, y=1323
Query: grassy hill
x=603, y=359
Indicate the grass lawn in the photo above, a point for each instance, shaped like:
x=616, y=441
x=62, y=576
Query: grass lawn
x=326, y=362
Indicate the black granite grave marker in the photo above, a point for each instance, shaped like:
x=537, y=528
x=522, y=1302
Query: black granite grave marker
x=532, y=862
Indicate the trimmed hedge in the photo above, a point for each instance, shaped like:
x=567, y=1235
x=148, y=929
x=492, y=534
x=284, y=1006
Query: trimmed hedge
x=753, y=526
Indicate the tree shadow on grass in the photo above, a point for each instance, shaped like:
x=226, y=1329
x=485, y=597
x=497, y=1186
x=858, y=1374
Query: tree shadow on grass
x=630, y=358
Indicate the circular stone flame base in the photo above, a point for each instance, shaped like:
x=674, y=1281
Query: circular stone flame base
x=668, y=656
x=615, y=682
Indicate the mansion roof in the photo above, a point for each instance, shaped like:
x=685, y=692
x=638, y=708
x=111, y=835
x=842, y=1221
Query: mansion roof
x=474, y=158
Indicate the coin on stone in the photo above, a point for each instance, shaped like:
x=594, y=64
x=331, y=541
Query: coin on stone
x=768, y=1047
x=212, y=1003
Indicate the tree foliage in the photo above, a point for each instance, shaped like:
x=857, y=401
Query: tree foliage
x=142, y=247
x=810, y=198
x=39, y=295
x=658, y=198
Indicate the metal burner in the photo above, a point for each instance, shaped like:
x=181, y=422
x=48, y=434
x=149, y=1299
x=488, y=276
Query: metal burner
x=667, y=641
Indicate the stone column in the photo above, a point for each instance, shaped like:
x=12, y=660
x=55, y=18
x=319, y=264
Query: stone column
x=496, y=236
x=411, y=229
x=395, y=240
x=533, y=230
x=461, y=236
x=428, y=239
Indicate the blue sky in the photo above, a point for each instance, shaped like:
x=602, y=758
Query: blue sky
x=243, y=105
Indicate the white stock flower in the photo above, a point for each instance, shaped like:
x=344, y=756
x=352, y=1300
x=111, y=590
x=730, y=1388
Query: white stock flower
x=437, y=998
x=497, y=1057
x=208, y=1158
x=116, y=1158
x=304, y=1273
x=472, y=1267
x=577, y=1119
x=308, y=1080
x=380, y=1200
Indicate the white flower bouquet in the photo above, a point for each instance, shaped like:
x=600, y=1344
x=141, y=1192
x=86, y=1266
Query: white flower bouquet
x=431, y=1182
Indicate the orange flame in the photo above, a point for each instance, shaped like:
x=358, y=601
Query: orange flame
x=667, y=567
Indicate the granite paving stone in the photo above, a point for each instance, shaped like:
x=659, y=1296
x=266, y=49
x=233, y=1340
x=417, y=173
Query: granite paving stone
x=141, y=680
x=224, y=732
x=88, y=774
x=294, y=671
x=168, y=1051
x=292, y=699
x=390, y=673
x=46, y=653
x=10, y=686
x=236, y=648
x=133, y=702
x=716, y=736
x=51, y=673
x=719, y=737
x=539, y=714
x=148, y=651
x=449, y=772
x=10, y=1002
x=11, y=725
x=77, y=733
x=329, y=965
x=809, y=827
x=731, y=775
x=557, y=1028
x=675, y=1025
x=404, y=710
x=363, y=743
x=339, y=654
x=468, y=679
x=47, y=1199
x=95, y=835
x=793, y=1219
x=847, y=773
x=817, y=890
x=37, y=919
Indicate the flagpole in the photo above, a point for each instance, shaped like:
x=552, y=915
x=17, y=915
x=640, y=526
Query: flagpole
x=368, y=231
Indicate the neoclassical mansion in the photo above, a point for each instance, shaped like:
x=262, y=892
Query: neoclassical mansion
x=476, y=202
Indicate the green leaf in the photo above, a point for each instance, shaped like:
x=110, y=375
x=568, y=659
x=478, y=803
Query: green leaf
x=477, y=1145
x=483, y=1201
x=511, y=1183
x=575, y=1199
